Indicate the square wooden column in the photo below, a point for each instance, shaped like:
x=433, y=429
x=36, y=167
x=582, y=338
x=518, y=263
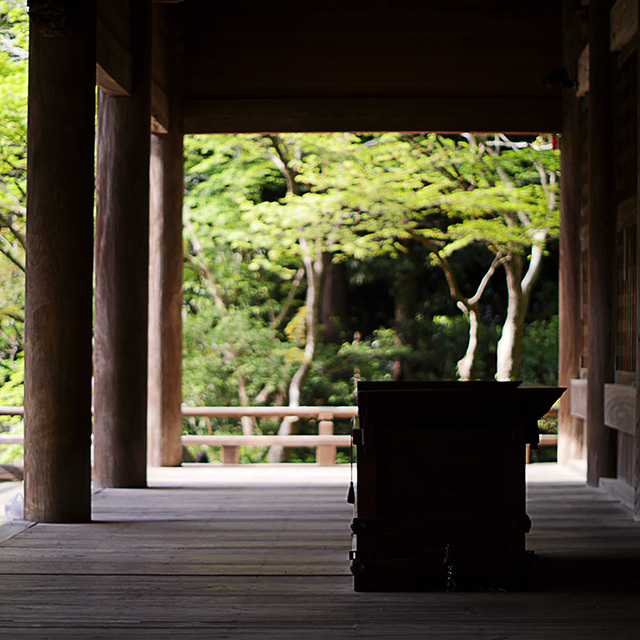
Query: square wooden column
x=165, y=269
x=122, y=251
x=59, y=283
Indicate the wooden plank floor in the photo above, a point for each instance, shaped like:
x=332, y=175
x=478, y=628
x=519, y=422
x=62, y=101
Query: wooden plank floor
x=270, y=561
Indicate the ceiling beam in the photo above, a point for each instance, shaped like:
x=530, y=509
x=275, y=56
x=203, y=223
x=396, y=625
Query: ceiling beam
x=513, y=115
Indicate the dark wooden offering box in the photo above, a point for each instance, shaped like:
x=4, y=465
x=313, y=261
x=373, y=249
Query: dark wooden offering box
x=441, y=484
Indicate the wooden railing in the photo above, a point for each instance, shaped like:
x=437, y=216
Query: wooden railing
x=10, y=438
x=325, y=442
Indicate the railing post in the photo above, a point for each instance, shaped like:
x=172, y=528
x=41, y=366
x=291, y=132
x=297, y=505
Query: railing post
x=325, y=454
x=230, y=455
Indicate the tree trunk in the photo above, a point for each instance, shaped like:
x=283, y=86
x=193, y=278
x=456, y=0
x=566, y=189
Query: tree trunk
x=404, y=297
x=335, y=308
x=246, y=421
x=469, y=306
x=315, y=270
x=510, y=343
x=466, y=366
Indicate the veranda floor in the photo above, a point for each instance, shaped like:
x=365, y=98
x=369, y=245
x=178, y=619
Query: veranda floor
x=255, y=554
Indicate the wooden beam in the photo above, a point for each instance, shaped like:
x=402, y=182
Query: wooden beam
x=165, y=269
x=114, y=64
x=601, y=442
x=159, y=109
x=513, y=115
x=578, y=397
x=59, y=283
x=571, y=429
x=583, y=73
x=620, y=407
x=122, y=250
x=624, y=23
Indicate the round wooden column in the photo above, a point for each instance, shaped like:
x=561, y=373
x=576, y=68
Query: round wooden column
x=165, y=275
x=601, y=441
x=59, y=289
x=571, y=429
x=122, y=254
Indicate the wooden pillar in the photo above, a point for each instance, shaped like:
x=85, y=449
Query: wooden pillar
x=59, y=285
x=636, y=474
x=601, y=441
x=122, y=254
x=570, y=429
x=165, y=276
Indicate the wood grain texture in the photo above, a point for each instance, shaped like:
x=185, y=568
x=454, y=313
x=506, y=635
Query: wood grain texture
x=467, y=496
x=422, y=67
x=578, y=391
x=114, y=70
x=404, y=113
x=636, y=445
x=601, y=455
x=570, y=428
x=59, y=280
x=624, y=23
x=115, y=15
x=499, y=50
x=269, y=563
x=165, y=265
x=620, y=407
x=122, y=259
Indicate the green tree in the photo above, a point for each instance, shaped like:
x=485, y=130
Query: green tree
x=287, y=206
x=451, y=192
x=295, y=234
x=502, y=195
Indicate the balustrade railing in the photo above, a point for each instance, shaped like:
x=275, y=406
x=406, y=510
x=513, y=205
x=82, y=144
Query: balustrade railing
x=325, y=441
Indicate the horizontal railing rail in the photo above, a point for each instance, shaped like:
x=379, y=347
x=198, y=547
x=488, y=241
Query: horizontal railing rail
x=326, y=441
x=11, y=411
x=269, y=412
